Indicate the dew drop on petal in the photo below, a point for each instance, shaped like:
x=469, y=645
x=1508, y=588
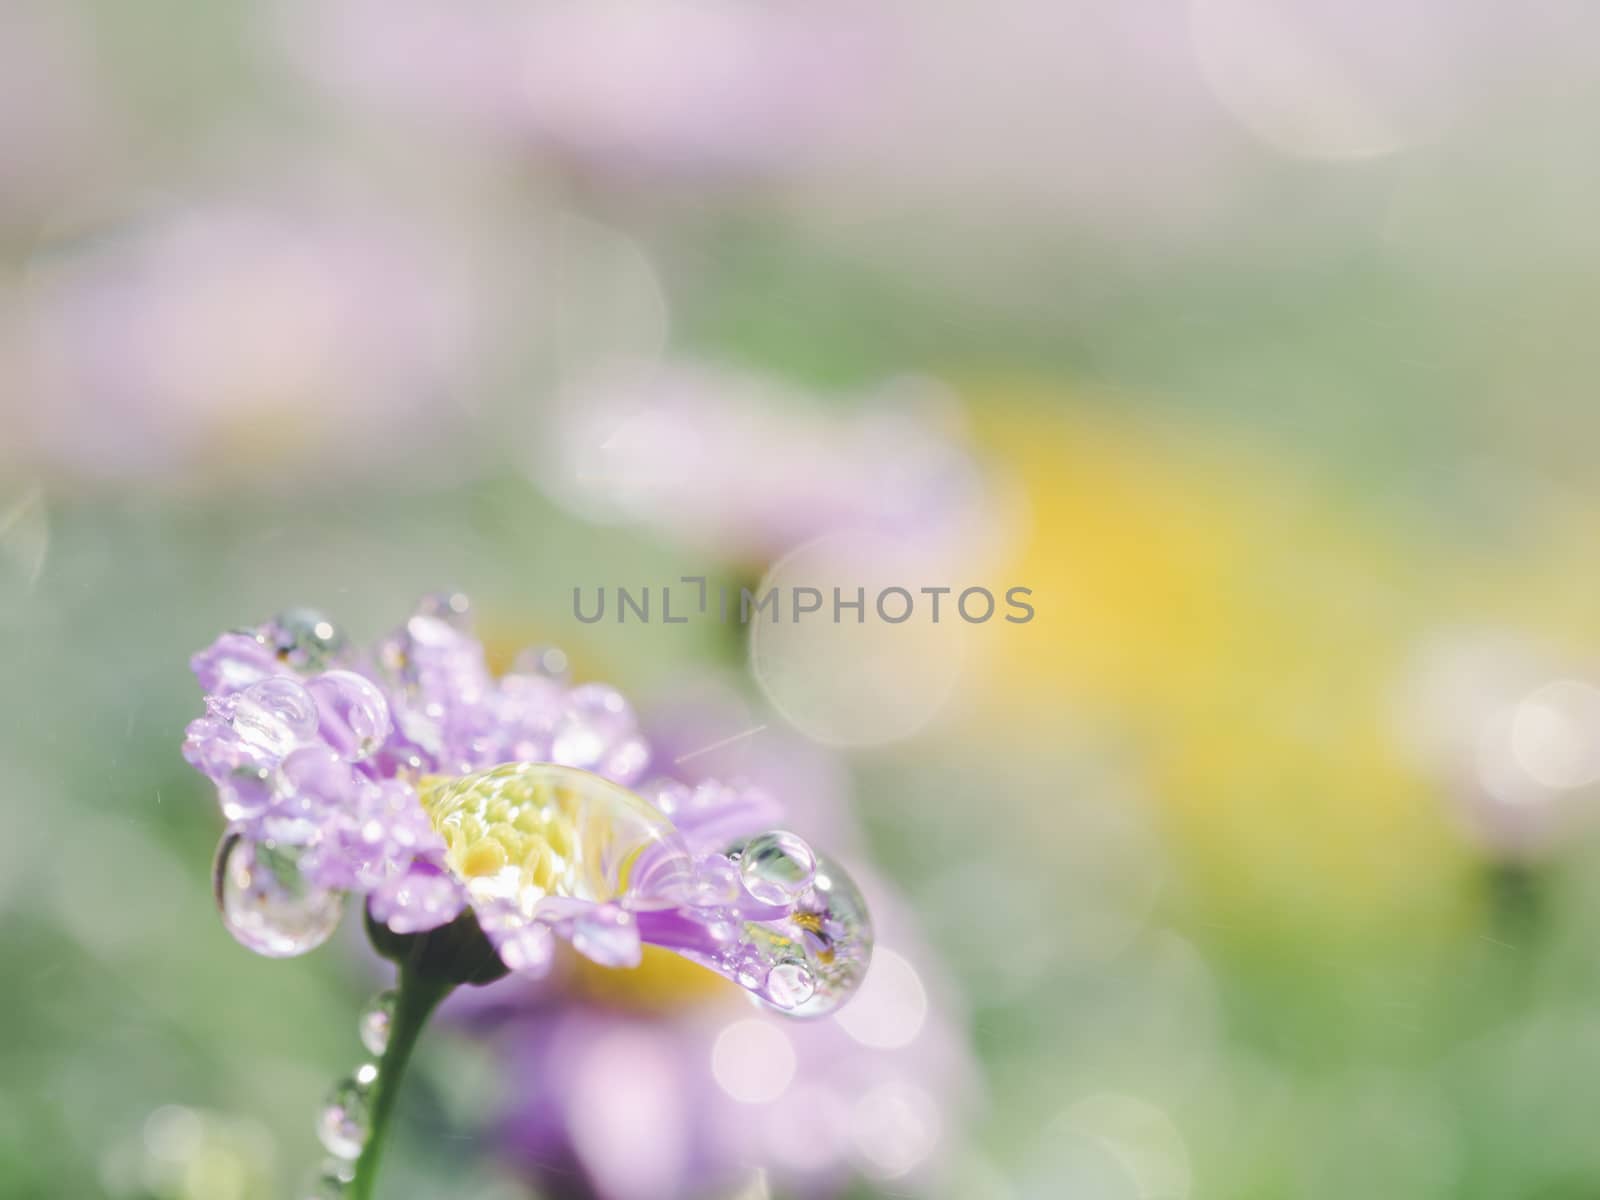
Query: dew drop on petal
x=376, y=1020
x=274, y=714
x=267, y=904
x=776, y=867
x=811, y=960
x=451, y=608
x=305, y=639
x=346, y=1118
x=355, y=715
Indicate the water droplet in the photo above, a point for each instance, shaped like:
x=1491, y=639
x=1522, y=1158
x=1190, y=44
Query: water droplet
x=376, y=1019
x=814, y=957
x=751, y=972
x=346, y=1118
x=305, y=639
x=790, y=984
x=776, y=867
x=332, y=1181
x=274, y=714
x=452, y=608
x=355, y=716
x=267, y=904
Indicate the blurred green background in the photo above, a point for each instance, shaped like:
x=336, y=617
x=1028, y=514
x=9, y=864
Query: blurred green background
x=1259, y=860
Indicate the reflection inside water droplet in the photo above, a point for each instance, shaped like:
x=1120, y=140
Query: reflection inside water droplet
x=305, y=639
x=776, y=867
x=267, y=904
x=273, y=714
x=790, y=984
x=346, y=1119
x=810, y=961
x=376, y=1020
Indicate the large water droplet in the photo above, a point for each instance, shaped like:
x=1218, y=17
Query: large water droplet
x=305, y=639
x=810, y=961
x=376, y=1020
x=354, y=714
x=267, y=904
x=345, y=1121
x=776, y=867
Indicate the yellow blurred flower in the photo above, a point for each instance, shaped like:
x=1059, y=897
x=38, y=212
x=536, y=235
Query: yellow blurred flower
x=1248, y=629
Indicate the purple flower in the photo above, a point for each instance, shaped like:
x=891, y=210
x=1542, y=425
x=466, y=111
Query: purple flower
x=413, y=777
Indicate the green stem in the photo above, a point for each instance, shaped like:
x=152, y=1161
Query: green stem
x=418, y=995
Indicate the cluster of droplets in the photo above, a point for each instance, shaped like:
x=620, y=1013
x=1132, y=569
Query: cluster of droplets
x=453, y=718
x=344, y=1123
x=784, y=923
x=286, y=735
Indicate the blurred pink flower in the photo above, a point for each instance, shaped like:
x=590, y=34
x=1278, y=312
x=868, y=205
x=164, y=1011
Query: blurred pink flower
x=696, y=87
x=747, y=467
x=235, y=338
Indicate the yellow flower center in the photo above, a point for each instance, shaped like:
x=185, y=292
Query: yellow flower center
x=539, y=829
x=529, y=830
